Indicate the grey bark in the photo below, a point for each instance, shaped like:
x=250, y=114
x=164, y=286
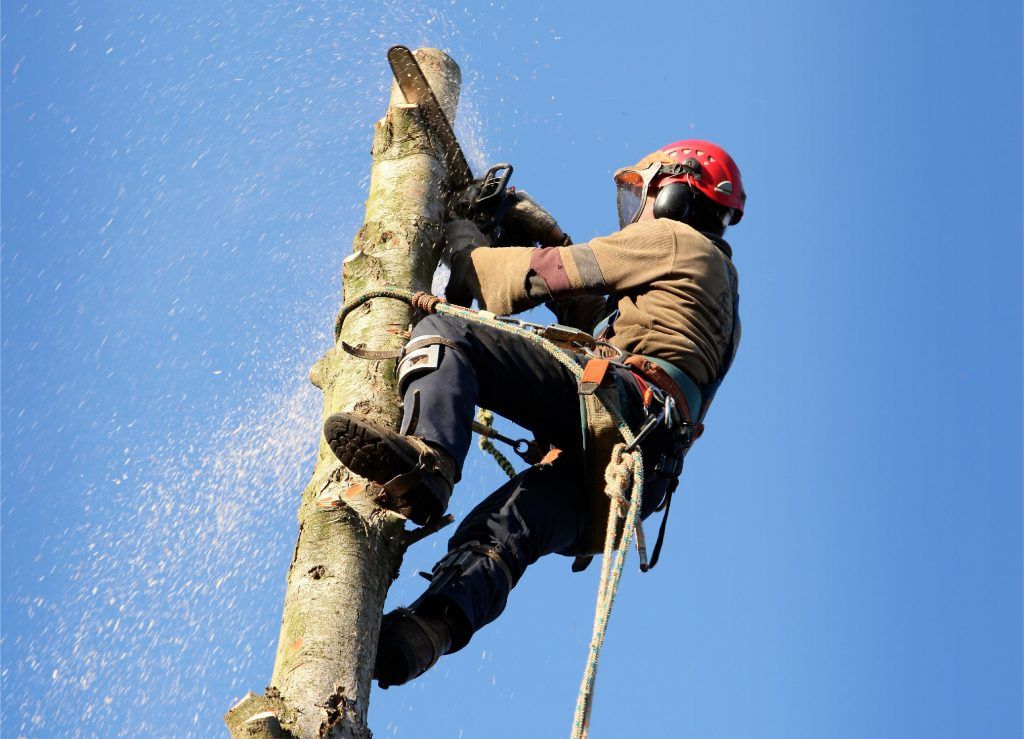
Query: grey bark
x=349, y=549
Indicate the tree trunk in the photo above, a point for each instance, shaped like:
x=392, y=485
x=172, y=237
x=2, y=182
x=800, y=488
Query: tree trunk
x=349, y=549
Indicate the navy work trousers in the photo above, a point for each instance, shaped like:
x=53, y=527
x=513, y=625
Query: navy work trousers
x=542, y=509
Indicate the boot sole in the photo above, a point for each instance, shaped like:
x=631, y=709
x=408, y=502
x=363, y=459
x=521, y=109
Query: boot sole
x=365, y=448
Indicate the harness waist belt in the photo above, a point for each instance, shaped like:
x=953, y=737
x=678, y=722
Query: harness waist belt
x=672, y=380
x=690, y=389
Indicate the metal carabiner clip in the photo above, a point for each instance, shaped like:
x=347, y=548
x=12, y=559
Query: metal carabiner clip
x=669, y=412
x=650, y=424
x=601, y=349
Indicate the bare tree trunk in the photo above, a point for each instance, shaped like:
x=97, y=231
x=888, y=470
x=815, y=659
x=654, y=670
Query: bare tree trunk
x=349, y=549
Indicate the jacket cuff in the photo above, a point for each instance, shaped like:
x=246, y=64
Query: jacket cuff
x=501, y=278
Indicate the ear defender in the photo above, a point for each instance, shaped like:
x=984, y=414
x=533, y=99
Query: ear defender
x=674, y=201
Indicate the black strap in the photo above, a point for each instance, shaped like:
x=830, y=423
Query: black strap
x=456, y=561
x=582, y=562
x=661, y=529
x=495, y=556
x=611, y=314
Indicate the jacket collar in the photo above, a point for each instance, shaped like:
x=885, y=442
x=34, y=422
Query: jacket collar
x=720, y=243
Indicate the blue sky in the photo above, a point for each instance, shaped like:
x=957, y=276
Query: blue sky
x=179, y=189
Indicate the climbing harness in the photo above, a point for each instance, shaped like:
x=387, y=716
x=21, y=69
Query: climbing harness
x=669, y=396
x=624, y=474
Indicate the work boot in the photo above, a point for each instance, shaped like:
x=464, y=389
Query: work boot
x=417, y=478
x=409, y=645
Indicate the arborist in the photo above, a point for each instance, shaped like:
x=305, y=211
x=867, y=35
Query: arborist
x=660, y=296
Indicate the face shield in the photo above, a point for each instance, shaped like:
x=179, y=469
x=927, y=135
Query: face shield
x=633, y=185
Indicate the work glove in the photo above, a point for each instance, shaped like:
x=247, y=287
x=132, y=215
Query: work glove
x=526, y=223
x=460, y=236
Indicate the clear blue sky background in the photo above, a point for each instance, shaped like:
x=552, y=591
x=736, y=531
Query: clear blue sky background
x=180, y=184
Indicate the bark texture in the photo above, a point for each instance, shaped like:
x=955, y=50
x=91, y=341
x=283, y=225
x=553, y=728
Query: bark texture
x=349, y=549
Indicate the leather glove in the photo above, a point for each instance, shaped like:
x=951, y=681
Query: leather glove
x=526, y=223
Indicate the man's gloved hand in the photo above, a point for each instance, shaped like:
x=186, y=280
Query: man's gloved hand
x=527, y=223
x=460, y=235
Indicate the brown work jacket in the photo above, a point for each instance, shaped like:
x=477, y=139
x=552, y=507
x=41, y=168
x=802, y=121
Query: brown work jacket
x=674, y=290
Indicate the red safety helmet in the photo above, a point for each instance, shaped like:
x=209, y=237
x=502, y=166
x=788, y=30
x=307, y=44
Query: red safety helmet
x=704, y=166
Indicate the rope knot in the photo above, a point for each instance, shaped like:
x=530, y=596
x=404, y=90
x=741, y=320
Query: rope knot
x=618, y=475
x=425, y=301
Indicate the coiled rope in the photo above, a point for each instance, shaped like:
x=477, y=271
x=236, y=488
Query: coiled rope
x=624, y=473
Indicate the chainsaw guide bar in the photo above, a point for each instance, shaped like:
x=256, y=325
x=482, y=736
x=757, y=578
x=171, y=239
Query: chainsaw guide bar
x=417, y=90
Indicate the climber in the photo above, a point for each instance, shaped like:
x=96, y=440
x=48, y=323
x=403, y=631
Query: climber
x=662, y=291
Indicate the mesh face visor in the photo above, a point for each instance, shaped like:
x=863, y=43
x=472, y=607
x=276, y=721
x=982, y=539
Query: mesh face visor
x=632, y=186
x=630, y=199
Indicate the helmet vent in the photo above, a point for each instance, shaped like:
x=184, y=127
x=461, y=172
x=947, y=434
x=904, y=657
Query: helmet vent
x=724, y=186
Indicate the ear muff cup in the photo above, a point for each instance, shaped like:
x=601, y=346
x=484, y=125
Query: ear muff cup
x=674, y=201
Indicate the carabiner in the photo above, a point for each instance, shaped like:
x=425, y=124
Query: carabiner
x=601, y=349
x=668, y=411
x=649, y=425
